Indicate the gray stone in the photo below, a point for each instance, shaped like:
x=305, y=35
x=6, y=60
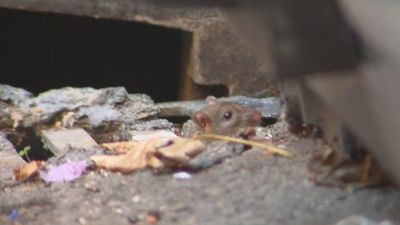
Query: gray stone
x=13, y=95
x=108, y=114
x=155, y=124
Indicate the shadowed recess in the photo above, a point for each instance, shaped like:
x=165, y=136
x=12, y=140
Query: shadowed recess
x=42, y=51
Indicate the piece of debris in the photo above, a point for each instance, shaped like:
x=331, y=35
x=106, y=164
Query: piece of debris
x=269, y=107
x=182, y=175
x=60, y=140
x=27, y=171
x=63, y=173
x=361, y=220
x=13, y=215
x=147, y=135
x=329, y=168
x=155, y=153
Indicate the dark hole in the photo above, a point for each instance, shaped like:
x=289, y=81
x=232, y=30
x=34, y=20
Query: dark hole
x=42, y=51
x=268, y=121
x=29, y=145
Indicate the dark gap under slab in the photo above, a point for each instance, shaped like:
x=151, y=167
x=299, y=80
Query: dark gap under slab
x=42, y=51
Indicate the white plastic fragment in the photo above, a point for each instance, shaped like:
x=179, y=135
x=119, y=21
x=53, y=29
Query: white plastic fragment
x=182, y=175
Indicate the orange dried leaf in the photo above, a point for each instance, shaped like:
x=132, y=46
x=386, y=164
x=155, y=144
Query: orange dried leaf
x=28, y=170
x=155, y=153
x=120, y=147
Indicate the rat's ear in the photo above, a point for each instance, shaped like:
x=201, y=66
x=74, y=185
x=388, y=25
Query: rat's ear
x=211, y=100
x=201, y=119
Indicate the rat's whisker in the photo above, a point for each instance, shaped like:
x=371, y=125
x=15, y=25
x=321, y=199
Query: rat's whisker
x=270, y=148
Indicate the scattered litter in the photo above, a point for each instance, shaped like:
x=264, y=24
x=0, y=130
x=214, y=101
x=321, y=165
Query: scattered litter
x=182, y=175
x=155, y=153
x=27, y=171
x=330, y=168
x=147, y=135
x=65, y=172
x=13, y=215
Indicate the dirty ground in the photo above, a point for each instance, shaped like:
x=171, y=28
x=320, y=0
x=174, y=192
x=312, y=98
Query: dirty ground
x=250, y=188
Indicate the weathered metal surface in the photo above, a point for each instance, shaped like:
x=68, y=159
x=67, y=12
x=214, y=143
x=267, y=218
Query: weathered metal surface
x=214, y=53
x=269, y=107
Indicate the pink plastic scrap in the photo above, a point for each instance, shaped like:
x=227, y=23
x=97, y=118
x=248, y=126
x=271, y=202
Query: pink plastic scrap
x=66, y=172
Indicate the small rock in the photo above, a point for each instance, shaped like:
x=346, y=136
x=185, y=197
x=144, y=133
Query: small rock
x=82, y=221
x=91, y=186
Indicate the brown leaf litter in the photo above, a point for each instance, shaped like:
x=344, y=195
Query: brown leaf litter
x=155, y=153
x=330, y=168
x=27, y=171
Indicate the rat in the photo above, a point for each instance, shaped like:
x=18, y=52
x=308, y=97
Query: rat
x=224, y=118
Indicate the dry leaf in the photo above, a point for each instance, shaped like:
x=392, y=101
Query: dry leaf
x=328, y=167
x=28, y=170
x=155, y=153
x=273, y=150
x=120, y=147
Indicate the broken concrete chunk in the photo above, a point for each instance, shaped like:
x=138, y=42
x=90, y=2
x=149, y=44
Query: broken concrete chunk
x=269, y=107
x=59, y=141
x=13, y=95
x=108, y=114
x=98, y=115
x=9, y=158
x=155, y=124
x=71, y=99
x=138, y=107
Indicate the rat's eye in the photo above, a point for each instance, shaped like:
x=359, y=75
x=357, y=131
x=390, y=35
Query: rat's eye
x=227, y=115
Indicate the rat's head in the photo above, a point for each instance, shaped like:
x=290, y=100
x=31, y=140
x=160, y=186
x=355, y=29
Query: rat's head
x=225, y=118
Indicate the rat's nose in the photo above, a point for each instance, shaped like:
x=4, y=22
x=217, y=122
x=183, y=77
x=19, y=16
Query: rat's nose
x=253, y=116
x=257, y=116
